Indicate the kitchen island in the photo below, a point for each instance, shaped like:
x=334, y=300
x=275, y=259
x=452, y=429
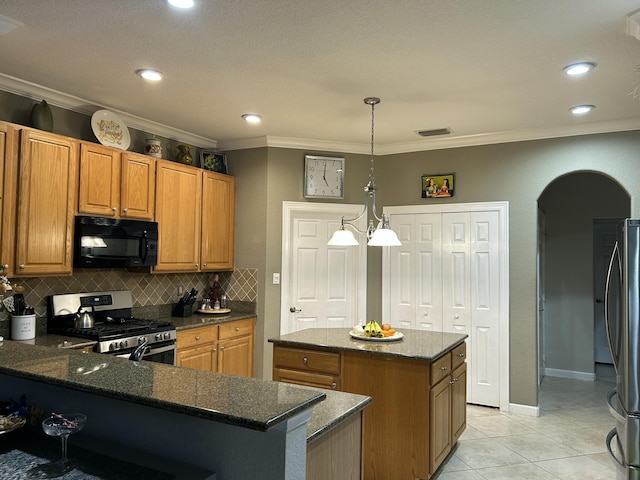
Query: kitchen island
x=234, y=426
x=417, y=383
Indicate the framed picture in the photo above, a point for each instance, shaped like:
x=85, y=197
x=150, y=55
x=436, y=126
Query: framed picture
x=213, y=161
x=437, y=186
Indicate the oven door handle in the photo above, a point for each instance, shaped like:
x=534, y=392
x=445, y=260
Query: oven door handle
x=144, y=247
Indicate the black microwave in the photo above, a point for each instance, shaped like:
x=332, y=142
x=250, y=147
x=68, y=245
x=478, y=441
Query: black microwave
x=114, y=243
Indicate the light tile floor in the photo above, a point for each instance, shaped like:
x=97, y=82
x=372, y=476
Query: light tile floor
x=567, y=440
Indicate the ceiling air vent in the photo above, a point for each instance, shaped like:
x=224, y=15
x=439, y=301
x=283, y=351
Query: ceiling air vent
x=435, y=132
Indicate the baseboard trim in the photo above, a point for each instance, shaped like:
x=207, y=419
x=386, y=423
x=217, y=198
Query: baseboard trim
x=526, y=410
x=585, y=376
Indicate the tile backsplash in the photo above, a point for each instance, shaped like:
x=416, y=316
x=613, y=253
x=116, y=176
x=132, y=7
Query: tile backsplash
x=241, y=285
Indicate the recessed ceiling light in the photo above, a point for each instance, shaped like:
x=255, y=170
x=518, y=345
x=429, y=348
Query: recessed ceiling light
x=581, y=109
x=182, y=3
x=148, y=74
x=252, y=118
x=579, y=68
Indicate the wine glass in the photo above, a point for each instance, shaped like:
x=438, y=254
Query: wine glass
x=59, y=425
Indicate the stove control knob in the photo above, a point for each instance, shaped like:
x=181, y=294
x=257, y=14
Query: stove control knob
x=158, y=337
x=124, y=344
x=113, y=346
x=141, y=340
x=167, y=336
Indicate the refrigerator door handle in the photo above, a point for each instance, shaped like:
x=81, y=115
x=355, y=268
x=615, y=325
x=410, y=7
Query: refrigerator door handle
x=607, y=318
x=610, y=435
x=616, y=413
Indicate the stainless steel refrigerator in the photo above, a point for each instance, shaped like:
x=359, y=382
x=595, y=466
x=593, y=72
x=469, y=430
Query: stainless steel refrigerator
x=622, y=310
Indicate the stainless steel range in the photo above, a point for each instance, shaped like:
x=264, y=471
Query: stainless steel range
x=111, y=325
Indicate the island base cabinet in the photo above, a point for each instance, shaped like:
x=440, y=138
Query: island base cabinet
x=397, y=421
x=338, y=453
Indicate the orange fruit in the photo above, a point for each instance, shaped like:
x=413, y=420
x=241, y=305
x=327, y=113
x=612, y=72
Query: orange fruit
x=385, y=326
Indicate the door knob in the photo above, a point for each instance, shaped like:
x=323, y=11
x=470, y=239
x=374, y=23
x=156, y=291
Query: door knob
x=294, y=310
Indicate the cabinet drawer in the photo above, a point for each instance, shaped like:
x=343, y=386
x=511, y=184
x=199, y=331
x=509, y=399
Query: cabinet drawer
x=440, y=368
x=458, y=355
x=236, y=328
x=196, y=336
x=309, y=360
x=308, y=379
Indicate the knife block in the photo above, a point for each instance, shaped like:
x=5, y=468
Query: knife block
x=182, y=310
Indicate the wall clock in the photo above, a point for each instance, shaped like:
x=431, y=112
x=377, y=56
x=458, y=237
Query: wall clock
x=323, y=177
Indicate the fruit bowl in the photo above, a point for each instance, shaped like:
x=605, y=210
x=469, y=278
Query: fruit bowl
x=358, y=333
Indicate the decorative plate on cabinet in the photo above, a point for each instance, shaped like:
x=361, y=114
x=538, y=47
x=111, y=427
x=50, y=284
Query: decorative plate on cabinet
x=110, y=130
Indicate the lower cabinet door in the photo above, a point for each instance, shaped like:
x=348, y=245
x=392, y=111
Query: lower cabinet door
x=235, y=356
x=201, y=358
x=440, y=428
x=458, y=402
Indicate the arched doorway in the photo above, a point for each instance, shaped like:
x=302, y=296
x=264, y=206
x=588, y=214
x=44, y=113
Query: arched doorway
x=569, y=207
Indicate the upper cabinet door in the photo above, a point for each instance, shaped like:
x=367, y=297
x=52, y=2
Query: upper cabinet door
x=218, y=221
x=9, y=140
x=99, y=180
x=138, y=186
x=48, y=184
x=178, y=200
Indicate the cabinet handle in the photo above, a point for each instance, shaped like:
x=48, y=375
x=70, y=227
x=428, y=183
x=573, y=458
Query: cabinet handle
x=21, y=266
x=5, y=266
x=197, y=337
x=113, y=209
x=215, y=350
x=443, y=368
x=452, y=382
x=333, y=385
x=125, y=210
x=197, y=265
x=426, y=314
x=456, y=316
x=461, y=355
x=237, y=329
x=204, y=264
x=305, y=360
x=221, y=348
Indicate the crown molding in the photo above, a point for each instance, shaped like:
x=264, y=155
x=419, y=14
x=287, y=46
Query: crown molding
x=436, y=143
x=86, y=107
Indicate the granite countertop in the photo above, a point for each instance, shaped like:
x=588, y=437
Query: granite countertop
x=201, y=319
x=246, y=402
x=419, y=344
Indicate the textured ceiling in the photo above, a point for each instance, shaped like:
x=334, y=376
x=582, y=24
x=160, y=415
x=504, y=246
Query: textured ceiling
x=489, y=70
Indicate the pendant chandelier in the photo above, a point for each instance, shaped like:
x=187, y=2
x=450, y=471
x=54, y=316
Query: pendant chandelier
x=377, y=236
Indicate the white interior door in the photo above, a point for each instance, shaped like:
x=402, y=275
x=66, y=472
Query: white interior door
x=322, y=286
x=452, y=274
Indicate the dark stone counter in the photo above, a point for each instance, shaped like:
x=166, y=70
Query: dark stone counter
x=247, y=402
x=418, y=344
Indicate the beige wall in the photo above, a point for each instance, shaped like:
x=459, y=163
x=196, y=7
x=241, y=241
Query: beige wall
x=515, y=172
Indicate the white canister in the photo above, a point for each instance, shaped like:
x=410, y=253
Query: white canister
x=23, y=327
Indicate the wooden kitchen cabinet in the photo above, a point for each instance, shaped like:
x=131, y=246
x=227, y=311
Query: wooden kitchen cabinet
x=218, y=222
x=419, y=404
x=178, y=200
x=115, y=183
x=9, y=140
x=47, y=186
x=448, y=403
x=195, y=211
x=225, y=348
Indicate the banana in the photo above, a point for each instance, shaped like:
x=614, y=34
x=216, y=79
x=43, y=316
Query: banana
x=373, y=329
